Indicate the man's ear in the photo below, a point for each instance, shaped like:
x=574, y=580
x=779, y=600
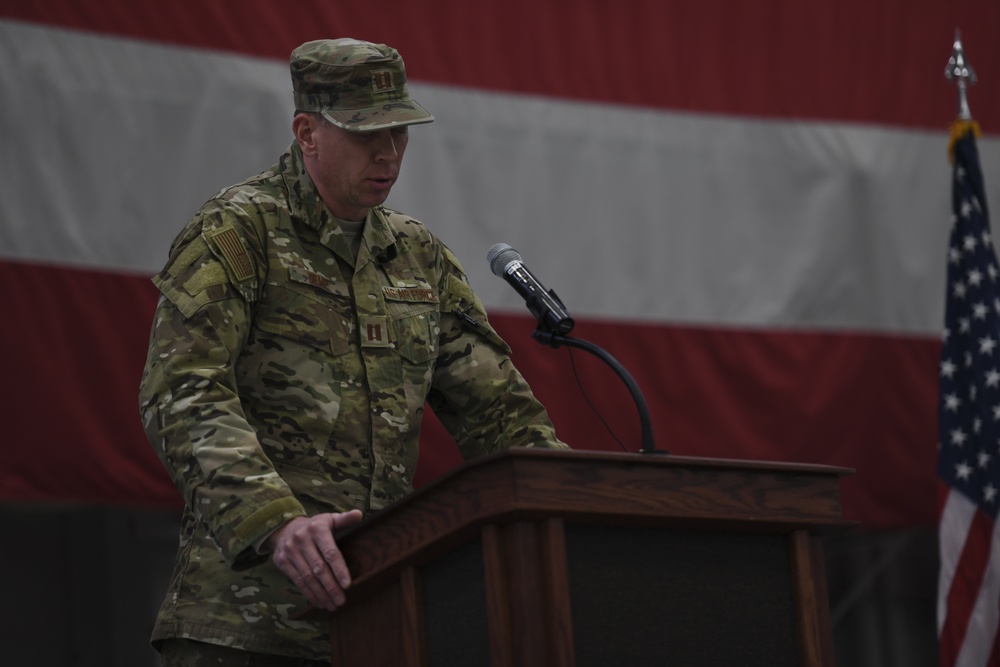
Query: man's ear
x=304, y=128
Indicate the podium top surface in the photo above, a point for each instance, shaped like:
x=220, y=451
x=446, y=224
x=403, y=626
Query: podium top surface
x=608, y=488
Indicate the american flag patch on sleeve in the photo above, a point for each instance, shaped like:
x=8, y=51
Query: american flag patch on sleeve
x=233, y=252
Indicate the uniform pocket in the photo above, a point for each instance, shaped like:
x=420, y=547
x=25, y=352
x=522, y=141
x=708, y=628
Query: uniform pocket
x=415, y=328
x=294, y=372
x=297, y=312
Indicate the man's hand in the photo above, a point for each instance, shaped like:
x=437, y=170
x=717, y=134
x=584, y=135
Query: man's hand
x=304, y=549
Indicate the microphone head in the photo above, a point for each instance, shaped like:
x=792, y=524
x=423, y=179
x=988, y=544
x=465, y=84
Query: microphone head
x=500, y=257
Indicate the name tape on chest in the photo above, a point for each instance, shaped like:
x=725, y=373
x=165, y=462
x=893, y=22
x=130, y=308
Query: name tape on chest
x=411, y=294
x=312, y=278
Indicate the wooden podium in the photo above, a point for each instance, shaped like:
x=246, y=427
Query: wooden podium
x=555, y=558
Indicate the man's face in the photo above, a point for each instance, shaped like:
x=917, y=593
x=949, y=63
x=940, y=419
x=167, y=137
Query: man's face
x=353, y=171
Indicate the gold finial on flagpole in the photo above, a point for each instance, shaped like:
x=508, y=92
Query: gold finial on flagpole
x=958, y=70
x=961, y=72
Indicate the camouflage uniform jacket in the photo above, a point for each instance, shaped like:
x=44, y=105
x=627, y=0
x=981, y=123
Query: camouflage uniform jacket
x=286, y=378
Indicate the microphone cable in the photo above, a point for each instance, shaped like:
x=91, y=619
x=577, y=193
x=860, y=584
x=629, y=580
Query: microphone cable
x=586, y=397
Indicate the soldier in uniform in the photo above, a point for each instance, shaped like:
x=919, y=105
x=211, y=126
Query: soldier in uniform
x=301, y=328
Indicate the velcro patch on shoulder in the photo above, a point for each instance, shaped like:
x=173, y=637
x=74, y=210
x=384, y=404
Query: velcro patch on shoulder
x=193, y=251
x=462, y=290
x=207, y=276
x=234, y=253
x=452, y=259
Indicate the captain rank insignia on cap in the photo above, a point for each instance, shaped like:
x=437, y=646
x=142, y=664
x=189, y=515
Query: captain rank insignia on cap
x=382, y=80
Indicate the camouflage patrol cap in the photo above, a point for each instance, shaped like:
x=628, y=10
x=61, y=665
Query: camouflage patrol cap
x=356, y=85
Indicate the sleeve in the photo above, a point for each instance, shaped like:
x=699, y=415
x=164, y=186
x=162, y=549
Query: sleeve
x=189, y=403
x=477, y=393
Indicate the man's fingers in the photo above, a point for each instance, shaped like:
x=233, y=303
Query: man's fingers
x=330, y=552
x=307, y=553
x=325, y=578
x=307, y=578
x=321, y=589
x=346, y=519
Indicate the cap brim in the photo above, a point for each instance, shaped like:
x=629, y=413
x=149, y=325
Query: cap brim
x=395, y=114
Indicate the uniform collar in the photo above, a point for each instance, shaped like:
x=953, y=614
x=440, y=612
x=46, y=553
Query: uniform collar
x=306, y=207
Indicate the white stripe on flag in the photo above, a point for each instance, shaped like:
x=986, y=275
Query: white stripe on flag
x=639, y=214
x=953, y=531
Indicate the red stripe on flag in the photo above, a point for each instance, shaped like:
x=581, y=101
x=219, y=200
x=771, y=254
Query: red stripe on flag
x=995, y=651
x=845, y=60
x=74, y=343
x=965, y=586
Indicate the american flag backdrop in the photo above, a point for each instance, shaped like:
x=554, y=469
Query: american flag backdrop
x=743, y=203
x=969, y=461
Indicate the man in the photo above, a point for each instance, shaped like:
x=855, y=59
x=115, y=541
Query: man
x=301, y=329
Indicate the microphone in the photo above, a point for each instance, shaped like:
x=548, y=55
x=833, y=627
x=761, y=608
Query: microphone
x=506, y=263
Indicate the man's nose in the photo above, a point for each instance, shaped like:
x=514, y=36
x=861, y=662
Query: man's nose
x=385, y=145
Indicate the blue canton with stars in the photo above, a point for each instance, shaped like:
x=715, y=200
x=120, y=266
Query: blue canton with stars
x=969, y=412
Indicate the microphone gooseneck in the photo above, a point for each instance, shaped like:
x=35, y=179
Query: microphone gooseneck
x=554, y=323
